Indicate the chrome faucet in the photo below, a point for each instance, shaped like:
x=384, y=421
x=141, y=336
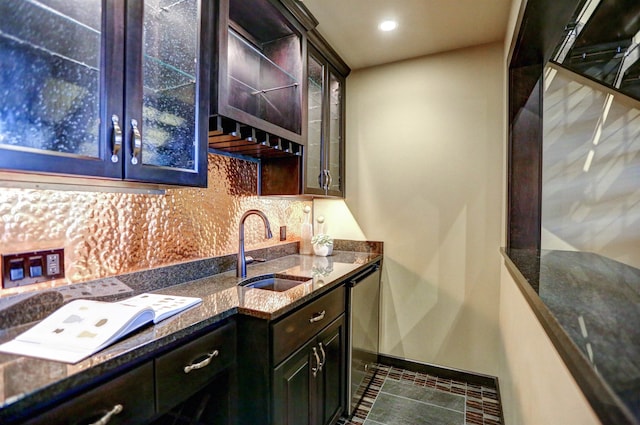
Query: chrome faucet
x=241, y=267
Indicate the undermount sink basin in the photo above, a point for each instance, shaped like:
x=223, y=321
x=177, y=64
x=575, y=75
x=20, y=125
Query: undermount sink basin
x=274, y=282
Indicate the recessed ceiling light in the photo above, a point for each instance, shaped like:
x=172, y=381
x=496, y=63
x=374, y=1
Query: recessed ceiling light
x=388, y=25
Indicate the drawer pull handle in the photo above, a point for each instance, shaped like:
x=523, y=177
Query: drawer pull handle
x=201, y=364
x=318, y=367
x=106, y=418
x=317, y=317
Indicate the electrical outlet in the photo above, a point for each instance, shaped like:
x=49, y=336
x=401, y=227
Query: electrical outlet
x=27, y=268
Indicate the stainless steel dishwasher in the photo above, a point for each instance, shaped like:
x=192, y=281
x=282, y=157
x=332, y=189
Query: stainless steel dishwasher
x=364, y=332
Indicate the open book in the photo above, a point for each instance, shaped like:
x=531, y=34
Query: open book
x=83, y=327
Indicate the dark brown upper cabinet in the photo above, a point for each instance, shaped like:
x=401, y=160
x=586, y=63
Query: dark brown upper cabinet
x=325, y=158
x=113, y=89
x=259, y=78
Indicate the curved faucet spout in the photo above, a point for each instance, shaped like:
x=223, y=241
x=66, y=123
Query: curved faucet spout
x=241, y=266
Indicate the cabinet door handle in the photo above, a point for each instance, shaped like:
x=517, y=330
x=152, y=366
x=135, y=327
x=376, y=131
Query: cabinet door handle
x=107, y=417
x=324, y=357
x=136, y=141
x=318, y=367
x=329, y=179
x=201, y=364
x=116, y=138
x=317, y=317
x=326, y=180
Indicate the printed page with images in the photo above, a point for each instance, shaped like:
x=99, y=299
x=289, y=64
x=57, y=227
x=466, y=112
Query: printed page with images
x=83, y=327
x=162, y=305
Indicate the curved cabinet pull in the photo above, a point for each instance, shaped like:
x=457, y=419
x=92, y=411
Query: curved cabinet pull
x=116, y=138
x=201, y=364
x=136, y=142
x=318, y=367
x=329, y=179
x=324, y=357
x=326, y=180
x=107, y=417
x=317, y=317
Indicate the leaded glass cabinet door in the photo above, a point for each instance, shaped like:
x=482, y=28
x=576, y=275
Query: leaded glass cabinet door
x=59, y=60
x=166, y=115
x=314, y=149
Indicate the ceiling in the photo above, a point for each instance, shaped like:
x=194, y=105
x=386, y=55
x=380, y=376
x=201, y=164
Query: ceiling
x=424, y=27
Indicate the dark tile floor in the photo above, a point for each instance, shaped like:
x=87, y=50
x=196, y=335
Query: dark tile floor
x=400, y=397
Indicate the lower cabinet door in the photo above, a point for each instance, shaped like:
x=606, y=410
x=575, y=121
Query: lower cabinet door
x=292, y=390
x=309, y=386
x=127, y=399
x=332, y=382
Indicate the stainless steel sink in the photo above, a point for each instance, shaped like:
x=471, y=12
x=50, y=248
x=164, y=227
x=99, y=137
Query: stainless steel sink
x=274, y=282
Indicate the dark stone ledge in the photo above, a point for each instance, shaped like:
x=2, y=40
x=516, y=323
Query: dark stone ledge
x=589, y=305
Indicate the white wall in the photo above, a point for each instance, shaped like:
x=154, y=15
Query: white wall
x=424, y=175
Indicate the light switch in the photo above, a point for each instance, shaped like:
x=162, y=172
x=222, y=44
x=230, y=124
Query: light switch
x=35, y=266
x=16, y=269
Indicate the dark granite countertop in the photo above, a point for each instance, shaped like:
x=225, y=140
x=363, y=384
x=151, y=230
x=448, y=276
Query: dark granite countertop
x=29, y=383
x=590, y=307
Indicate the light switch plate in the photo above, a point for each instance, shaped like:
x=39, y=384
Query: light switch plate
x=27, y=268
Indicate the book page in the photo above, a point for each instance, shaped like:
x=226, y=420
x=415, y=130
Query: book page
x=86, y=324
x=162, y=305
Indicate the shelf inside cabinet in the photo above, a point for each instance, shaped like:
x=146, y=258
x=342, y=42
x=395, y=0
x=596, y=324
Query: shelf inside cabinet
x=262, y=87
x=21, y=25
x=52, y=78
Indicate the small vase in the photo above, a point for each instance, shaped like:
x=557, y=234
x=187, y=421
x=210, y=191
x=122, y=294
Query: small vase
x=322, y=250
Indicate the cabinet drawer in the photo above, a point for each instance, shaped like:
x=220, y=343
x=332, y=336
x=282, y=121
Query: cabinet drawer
x=187, y=369
x=295, y=329
x=133, y=392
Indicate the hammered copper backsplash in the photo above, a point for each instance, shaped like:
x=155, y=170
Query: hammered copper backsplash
x=106, y=234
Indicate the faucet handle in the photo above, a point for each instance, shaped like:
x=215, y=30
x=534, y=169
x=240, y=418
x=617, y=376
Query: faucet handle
x=249, y=259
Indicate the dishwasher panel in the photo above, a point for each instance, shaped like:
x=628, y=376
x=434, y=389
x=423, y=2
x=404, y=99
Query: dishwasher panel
x=364, y=333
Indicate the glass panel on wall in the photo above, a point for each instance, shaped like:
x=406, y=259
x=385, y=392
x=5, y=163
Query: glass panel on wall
x=335, y=132
x=170, y=52
x=592, y=132
x=314, y=139
x=50, y=76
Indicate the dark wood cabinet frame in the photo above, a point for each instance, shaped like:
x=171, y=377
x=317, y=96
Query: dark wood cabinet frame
x=540, y=25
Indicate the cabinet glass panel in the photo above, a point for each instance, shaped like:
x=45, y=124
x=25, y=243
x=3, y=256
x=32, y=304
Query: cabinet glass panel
x=50, y=76
x=170, y=43
x=314, y=129
x=335, y=132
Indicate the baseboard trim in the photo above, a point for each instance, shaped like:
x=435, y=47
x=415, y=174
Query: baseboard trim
x=442, y=371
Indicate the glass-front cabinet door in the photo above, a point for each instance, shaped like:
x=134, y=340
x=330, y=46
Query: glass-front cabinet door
x=78, y=99
x=324, y=151
x=55, y=115
x=335, y=154
x=164, y=113
x=314, y=149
